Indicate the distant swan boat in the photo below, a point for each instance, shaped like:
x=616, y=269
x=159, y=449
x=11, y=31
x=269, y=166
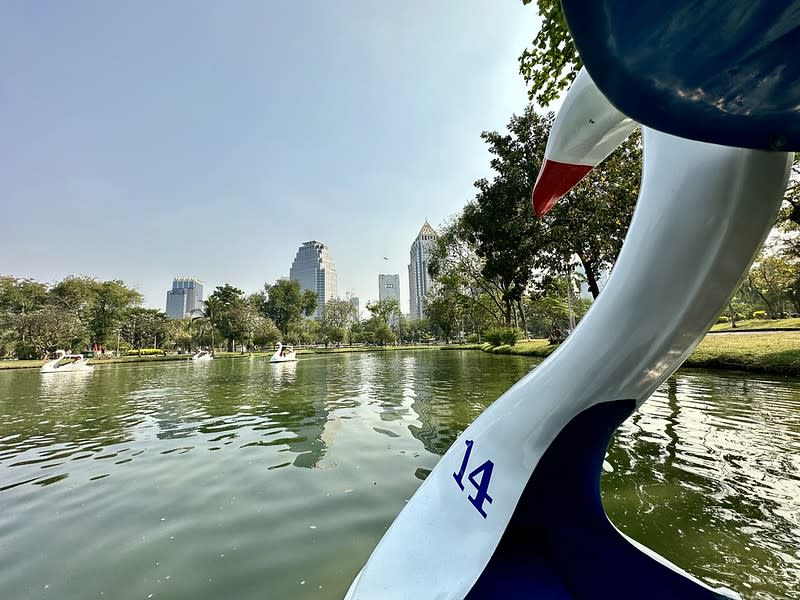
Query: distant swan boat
x=203, y=355
x=283, y=355
x=78, y=363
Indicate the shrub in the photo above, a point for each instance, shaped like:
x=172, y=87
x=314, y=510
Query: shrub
x=723, y=319
x=502, y=335
x=144, y=352
x=472, y=338
x=759, y=314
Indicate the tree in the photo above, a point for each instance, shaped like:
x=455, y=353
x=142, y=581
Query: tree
x=337, y=315
x=444, y=312
x=384, y=309
x=226, y=309
x=591, y=221
x=104, y=312
x=144, y=327
x=379, y=330
x=179, y=332
x=48, y=328
x=499, y=223
x=286, y=303
x=772, y=279
x=21, y=295
x=18, y=298
x=552, y=61
x=455, y=266
x=790, y=215
x=75, y=295
x=264, y=332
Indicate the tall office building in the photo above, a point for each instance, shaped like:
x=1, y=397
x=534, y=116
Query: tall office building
x=186, y=295
x=389, y=287
x=314, y=269
x=355, y=302
x=419, y=282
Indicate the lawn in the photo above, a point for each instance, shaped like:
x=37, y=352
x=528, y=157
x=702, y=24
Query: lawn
x=759, y=324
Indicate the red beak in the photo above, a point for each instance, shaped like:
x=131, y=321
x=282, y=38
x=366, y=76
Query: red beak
x=555, y=179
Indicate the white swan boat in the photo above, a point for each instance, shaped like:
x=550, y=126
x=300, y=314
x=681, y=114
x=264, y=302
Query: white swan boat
x=513, y=509
x=66, y=363
x=203, y=355
x=284, y=354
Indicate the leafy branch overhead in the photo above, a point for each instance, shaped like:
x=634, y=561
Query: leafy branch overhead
x=552, y=61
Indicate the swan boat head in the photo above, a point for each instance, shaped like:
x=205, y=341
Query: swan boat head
x=513, y=508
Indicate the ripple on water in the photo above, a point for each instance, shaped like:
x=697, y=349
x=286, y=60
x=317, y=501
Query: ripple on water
x=236, y=479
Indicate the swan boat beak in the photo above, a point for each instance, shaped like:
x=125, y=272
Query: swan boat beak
x=586, y=130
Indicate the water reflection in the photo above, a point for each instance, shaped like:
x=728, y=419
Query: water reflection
x=710, y=468
x=305, y=464
x=61, y=386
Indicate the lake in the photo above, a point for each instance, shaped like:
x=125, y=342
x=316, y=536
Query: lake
x=240, y=479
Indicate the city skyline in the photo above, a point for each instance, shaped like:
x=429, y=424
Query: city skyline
x=388, y=284
x=142, y=141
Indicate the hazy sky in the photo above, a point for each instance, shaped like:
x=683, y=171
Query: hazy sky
x=144, y=140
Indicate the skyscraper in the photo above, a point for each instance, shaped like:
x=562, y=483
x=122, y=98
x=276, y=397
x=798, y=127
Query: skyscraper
x=419, y=282
x=314, y=269
x=355, y=302
x=389, y=287
x=186, y=295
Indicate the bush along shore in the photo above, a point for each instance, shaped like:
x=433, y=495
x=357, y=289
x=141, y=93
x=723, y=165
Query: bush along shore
x=775, y=352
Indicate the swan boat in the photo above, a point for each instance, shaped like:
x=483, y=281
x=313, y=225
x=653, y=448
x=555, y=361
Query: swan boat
x=203, y=355
x=283, y=354
x=513, y=508
x=75, y=362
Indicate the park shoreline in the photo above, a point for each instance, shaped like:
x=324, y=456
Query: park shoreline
x=774, y=353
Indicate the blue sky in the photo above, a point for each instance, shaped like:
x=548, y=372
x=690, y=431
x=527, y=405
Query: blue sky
x=144, y=140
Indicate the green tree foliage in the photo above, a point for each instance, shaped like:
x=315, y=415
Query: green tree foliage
x=499, y=223
x=19, y=296
x=458, y=269
x=260, y=331
x=286, y=303
x=75, y=311
x=591, y=221
x=179, y=334
x=379, y=331
x=303, y=331
x=384, y=309
x=48, y=328
x=552, y=61
x=337, y=316
x=107, y=307
x=144, y=327
x=790, y=214
x=227, y=310
x=774, y=281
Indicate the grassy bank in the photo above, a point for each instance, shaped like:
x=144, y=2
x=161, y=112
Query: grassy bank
x=759, y=324
x=764, y=352
x=777, y=353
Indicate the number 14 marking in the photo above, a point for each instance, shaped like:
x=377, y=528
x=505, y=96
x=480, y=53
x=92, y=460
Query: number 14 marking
x=482, y=486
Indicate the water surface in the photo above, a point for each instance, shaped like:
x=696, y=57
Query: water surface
x=241, y=479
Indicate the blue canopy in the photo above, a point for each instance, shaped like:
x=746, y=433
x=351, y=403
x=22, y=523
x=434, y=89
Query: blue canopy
x=720, y=71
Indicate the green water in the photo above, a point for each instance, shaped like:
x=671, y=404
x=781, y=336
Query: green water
x=239, y=479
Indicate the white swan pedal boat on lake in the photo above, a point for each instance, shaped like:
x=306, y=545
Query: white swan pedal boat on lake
x=513, y=509
x=284, y=354
x=203, y=355
x=66, y=363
